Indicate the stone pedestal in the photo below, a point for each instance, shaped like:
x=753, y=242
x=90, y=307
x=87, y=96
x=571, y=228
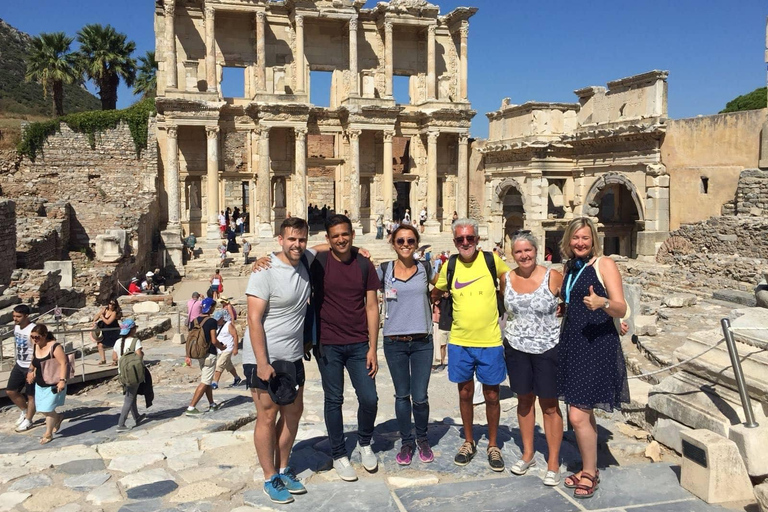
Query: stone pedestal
x=432, y=227
x=173, y=258
x=265, y=230
x=65, y=267
x=752, y=443
x=712, y=468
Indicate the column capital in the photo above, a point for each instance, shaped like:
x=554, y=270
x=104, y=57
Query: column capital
x=299, y=21
x=464, y=30
x=301, y=132
x=353, y=24
x=210, y=12
x=212, y=132
x=432, y=137
x=262, y=132
x=388, y=26
x=431, y=29
x=463, y=138
x=171, y=130
x=169, y=7
x=261, y=16
x=388, y=135
x=353, y=134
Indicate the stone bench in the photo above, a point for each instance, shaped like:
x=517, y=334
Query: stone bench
x=133, y=299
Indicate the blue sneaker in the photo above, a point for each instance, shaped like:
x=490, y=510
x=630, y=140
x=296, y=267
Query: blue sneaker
x=276, y=490
x=214, y=385
x=236, y=382
x=292, y=482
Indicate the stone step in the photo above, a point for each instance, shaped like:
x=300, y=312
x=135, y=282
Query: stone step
x=8, y=300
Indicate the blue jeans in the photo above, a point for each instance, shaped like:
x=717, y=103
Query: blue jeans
x=379, y=232
x=353, y=358
x=410, y=365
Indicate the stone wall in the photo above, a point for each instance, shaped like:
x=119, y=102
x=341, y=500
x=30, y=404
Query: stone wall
x=704, y=157
x=42, y=232
x=751, y=195
x=7, y=240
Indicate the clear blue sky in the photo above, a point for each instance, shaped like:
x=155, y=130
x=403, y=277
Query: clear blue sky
x=534, y=49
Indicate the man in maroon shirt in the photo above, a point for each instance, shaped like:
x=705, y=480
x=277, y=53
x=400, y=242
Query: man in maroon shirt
x=348, y=331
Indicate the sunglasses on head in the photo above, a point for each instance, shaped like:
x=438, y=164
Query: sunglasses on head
x=470, y=239
x=522, y=232
x=404, y=241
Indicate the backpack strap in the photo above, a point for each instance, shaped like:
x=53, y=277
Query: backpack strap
x=451, y=270
x=362, y=262
x=384, y=267
x=491, y=264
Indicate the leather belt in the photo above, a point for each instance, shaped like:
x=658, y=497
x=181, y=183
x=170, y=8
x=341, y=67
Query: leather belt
x=412, y=337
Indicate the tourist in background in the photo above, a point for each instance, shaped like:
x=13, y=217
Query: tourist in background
x=48, y=372
x=127, y=339
x=217, y=283
x=531, y=335
x=226, y=333
x=106, y=323
x=379, y=227
x=408, y=344
x=407, y=216
x=193, y=308
x=21, y=393
x=422, y=218
x=208, y=363
x=246, y=250
x=226, y=305
x=189, y=244
x=134, y=288
x=592, y=373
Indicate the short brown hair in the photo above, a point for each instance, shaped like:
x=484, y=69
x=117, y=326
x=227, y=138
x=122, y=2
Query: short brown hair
x=406, y=227
x=296, y=223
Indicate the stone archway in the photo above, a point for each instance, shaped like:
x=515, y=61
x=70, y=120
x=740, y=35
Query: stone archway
x=511, y=203
x=614, y=200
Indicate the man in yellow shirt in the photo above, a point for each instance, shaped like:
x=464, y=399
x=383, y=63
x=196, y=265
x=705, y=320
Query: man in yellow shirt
x=475, y=345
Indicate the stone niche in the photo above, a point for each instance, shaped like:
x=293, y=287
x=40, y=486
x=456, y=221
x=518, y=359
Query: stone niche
x=111, y=247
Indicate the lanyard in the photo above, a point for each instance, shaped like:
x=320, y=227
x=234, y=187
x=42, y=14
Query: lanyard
x=569, y=286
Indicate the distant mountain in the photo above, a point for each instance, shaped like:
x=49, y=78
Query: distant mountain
x=20, y=97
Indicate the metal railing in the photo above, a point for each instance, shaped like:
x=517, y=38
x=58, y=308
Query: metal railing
x=738, y=374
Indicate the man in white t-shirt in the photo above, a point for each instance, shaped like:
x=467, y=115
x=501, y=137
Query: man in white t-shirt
x=277, y=303
x=226, y=333
x=21, y=393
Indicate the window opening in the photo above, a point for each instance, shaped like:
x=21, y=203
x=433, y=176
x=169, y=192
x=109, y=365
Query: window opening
x=233, y=82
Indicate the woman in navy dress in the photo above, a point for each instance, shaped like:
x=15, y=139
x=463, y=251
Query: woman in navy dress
x=592, y=373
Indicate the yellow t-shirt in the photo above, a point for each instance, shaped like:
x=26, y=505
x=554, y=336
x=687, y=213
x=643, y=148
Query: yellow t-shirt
x=475, y=318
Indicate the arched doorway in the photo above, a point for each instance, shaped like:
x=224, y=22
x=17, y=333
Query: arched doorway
x=614, y=200
x=513, y=213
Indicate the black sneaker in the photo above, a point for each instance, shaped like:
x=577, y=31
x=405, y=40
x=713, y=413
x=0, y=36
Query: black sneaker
x=465, y=454
x=494, y=459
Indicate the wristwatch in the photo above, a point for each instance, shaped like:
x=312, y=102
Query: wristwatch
x=606, y=304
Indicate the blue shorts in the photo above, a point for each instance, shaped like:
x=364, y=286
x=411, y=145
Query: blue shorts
x=487, y=362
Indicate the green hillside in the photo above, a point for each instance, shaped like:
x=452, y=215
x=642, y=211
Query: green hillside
x=20, y=98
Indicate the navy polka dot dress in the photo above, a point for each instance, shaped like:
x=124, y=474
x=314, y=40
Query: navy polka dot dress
x=592, y=373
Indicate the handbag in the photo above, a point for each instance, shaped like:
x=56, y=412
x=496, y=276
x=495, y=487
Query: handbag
x=51, y=368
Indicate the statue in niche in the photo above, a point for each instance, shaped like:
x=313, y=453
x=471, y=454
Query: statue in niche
x=194, y=196
x=279, y=194
x=365, y=195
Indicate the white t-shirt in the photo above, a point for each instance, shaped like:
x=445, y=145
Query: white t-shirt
x=224, y=336
x=24, y=349
x=119, y=347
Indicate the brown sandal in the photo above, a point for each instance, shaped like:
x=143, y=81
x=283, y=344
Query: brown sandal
x=571, y=481
x=589, y=490
x=46, y=439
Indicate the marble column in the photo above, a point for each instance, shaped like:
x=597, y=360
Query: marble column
x=464, y=31
x=387, y=182
x=261, y=52
x=300, y=178
x=210, y=50
x=212, y=177
x=432, y=226
x=253, y=218
x=388, y=58
x=353, y=57
x=299, y=54
x=264, y=186
x=431, y=58
x=462, y=186
x=171, y=73
x=172, y=168
x=354, y=179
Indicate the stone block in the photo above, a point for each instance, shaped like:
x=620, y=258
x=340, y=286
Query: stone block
x=9, y=500
x=761, y=295
x=668, y=432
x=108, y=249
x=65, y=267
x=735, y=296
x=680, y=300
x=761, y=495
x=645, y=325
x=146, y=307
x=717, y=474
x=752, y=443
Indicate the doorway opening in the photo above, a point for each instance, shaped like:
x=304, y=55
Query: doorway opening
x=402, y=201
x=233, y=82
x=320, y=88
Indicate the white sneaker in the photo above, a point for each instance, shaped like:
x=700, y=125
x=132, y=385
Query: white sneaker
x=552, y=478
x=22, y=417
x=24, y=425
x=368, y=458
x=344, y=469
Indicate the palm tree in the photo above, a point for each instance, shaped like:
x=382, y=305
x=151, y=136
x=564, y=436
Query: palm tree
x=146, y=77
x=52, y=64
x=106, y=58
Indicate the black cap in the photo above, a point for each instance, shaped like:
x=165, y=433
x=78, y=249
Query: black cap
x=283, y=388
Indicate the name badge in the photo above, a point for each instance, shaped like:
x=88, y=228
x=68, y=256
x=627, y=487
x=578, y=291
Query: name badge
x=391, y=293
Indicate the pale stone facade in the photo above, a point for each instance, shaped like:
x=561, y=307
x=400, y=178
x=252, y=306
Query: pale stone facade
x=546, y=163
x=252, y=152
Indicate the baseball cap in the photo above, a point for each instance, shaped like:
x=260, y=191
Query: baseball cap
x=283, y=388
x=150, y=274
x=219, y=314
x=126, y=326
x=207, y=305
x=134, y=279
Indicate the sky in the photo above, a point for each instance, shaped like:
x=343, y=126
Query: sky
x=532, y=50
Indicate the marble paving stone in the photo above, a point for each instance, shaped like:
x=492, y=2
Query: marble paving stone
x=193, y=475
x=118, y=448
x=69, y=507
x=142, y=506
x=153, y=490
x=182, y=445
x=186, y=461
x=106, y=493
x=493, y=494
x=198, y=491
x=9, y=473
x=692, y=505
x=148, y=476
x=45, y=501
x=52, y=457
x=87, y=481
x=132, y=463
x=219, y=440
x=619, y=486
x=360, y=496
x=8, y=500
x=30, y=482
x=416, y=481
x=78, y=467
x=191, y=507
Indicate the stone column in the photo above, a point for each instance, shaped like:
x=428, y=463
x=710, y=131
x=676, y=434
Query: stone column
x=253, y=218
x=170, y=39
x=261, y=52
x=212, y=177
x=432, y=226
x=388, y=58
x=354, y=179
x=431, y=74
x=263, y=187
x=387, y=182
x=353, y=57
x=300, y=189
x=299, y=54
x=210, y=50
x=172, y=168
x=464, y=31
x=462, y=187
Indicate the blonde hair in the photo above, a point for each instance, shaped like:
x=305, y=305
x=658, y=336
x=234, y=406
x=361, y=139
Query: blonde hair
x=573, y=226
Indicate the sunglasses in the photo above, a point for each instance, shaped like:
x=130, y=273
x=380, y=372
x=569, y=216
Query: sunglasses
x=35, y=337
x=404, y=241
x=470, y=239
x=522, y=232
